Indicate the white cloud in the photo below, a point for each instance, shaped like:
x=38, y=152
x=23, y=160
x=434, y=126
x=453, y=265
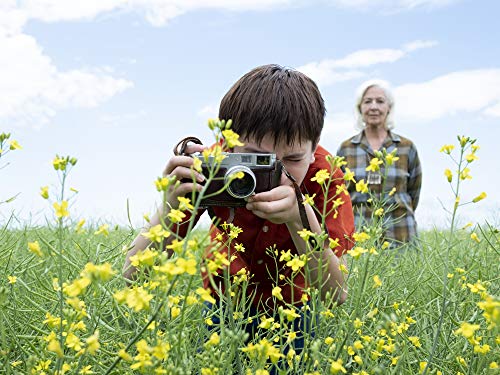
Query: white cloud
x=450, y=94
x=157, y=12
x=329, y=71
x=160, y=12
x=209, y=111
x=392, y=5
x=32, y=88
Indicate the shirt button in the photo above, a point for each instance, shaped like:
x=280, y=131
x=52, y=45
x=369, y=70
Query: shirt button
x=265, y=228
x=260, y=261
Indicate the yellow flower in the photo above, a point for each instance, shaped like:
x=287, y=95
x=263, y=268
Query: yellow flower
x=277, y=293
x=357, y=252
x=308, y=200
x=296, y=263
x=44, y=192
x=86, y=370
x=463, y=140
x=187, y=265
x=337, y=367
x=175, y=311
x=448, y=174
x=391, y=158
x=422, y=365
x=493, y=365
x=55, y=347
x=156, y=233
x=379, y=212
x=415, y=341
x=124, y=355
x=305, y=234
x=467, y=330
x=205, y=295
x=73, y=342
x=360, y=237
x=480, y=197
x=361, y=186
x=197, y=163
x=464, y=175
x=79, y=225
x=376, y=281
x=185, y=204
x=59, y=163
x=93, y=343
x=231, y=138
x=477, y=287
x=34, y=247
x=321, y=176
x=333, y=243
x=61, y=210
x=14, y=145
x=136, y=298
x=482, y=349
x=474, y=237
x=392, y=192
x=77, y=287
x=103, y=229
x=374, y=165
x=447, y=149
x=471, y=157
x=349, y=175
x=213, y=340
x=12, y=279
x=461, y=360
x=162, y=183
x=101, y=272
x=176, y=216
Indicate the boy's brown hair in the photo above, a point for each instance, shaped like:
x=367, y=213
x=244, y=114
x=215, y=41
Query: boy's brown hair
x=275, y=101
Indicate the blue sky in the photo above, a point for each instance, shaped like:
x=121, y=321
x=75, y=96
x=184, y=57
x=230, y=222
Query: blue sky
x=117, y=83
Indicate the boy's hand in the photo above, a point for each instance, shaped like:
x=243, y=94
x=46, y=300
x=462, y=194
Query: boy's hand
x=278, y=205
x=180, y=167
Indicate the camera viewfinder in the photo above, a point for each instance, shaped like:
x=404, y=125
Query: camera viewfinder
x=263, y=159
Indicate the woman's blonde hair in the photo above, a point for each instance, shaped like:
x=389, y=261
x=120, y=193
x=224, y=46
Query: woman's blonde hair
x=384, y=85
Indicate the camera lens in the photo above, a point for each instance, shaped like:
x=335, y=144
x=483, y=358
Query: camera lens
x=240, y=187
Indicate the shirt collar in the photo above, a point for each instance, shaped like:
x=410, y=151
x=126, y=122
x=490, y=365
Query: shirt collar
x=358, y=137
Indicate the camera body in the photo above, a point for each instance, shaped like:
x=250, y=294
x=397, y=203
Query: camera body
x=261, y=172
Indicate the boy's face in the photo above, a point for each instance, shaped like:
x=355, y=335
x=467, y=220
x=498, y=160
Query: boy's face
x=296, y=158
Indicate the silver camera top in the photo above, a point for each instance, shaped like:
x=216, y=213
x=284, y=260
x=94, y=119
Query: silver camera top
x=253, y=160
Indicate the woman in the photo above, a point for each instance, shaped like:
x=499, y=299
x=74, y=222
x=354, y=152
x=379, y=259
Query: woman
x=400, y=181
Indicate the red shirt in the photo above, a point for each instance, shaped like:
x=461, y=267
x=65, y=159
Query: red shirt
x=258, y=235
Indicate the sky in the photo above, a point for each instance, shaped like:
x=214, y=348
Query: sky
x=117, y=83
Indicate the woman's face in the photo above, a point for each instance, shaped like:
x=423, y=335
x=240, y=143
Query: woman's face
x=374, y=107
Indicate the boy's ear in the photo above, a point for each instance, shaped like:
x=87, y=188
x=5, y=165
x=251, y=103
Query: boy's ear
x=314, y=148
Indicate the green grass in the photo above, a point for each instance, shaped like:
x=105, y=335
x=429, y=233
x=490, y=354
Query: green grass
x=412, y=287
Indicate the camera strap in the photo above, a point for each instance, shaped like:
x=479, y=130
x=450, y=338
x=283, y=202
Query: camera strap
x=180, y=148
x=302, y=209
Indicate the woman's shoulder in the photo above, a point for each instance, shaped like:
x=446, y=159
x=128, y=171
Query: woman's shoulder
x=403, y=141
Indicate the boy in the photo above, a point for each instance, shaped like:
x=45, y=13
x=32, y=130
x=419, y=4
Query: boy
x=274, y=110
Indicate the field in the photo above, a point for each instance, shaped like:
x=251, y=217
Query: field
x=429, y=307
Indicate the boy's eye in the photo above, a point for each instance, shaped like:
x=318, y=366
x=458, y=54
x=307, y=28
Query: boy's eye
x=292, y=160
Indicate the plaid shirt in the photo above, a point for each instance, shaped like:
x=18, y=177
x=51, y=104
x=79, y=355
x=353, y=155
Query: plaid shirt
x=405, y=175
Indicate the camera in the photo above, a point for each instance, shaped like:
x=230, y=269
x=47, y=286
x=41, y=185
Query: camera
x=261, y=172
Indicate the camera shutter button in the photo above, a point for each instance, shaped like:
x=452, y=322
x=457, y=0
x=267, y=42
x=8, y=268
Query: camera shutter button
x=265, y=228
